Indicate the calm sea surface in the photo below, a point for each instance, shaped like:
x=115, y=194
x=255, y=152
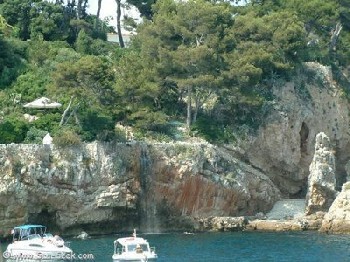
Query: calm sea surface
x=242, y=246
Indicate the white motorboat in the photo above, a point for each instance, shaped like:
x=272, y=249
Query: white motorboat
x=133, y=249
x=31, y=243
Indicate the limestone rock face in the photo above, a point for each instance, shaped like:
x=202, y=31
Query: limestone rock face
x=274, y=225
x=322, y=181
x=203, y=180
x=283, y=146
x=65, y=188
x=104, y=188
x=337, y=220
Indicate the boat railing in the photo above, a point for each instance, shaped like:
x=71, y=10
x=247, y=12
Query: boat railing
x=153, y=249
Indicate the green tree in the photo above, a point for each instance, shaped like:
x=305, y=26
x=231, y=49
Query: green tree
x=18, y=13
x=88, y=83
x=32, y=84
x=90, y=79
x=264, y=45
x=11, y=62
x=144, y=7
x=43, y=53
x=97, y=125
x=5, y=28
x=48, y=22
x=138, y=92
x=42, y=56
x=39, y=19
x=184, y=45
x=13, y=129
x=83, y=43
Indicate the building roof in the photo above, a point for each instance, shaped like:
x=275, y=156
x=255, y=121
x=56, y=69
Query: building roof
x=42, y=102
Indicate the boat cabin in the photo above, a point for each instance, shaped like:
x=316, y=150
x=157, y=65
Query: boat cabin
x=133, y=249
x=138, y=245
x=27, y=232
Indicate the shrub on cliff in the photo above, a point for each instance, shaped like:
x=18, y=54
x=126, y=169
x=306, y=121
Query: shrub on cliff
x=12, y=130
x=66, y=137
x=35, y=136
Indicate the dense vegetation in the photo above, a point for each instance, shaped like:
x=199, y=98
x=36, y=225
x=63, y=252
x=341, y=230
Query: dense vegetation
x=206, y=65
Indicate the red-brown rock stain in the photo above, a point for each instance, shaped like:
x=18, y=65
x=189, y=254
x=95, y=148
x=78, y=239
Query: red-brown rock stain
x=195, y=195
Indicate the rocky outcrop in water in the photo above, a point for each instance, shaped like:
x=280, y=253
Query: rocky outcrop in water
x=223, y=224
x=322, y=181
x=337, y=220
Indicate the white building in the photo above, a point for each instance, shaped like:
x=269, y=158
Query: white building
x=112, y=37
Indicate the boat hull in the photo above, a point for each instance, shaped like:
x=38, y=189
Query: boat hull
x=43, y=253
x=36, y=256
x=33, y=243
x=135, y=258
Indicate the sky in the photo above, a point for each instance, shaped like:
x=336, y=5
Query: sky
x=109, y=9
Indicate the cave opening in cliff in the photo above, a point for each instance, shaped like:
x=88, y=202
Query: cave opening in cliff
x=304, y=135
x=302, y=190
x=340, y=172
x=46, y=218
x=304, y=159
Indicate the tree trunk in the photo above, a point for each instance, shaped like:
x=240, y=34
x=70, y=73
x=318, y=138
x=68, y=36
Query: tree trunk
x=99, y=4
x=79, y=9
x=85, y=5
x=66, y=112
x=334, y=37
x=189, y=108
x=196, y=108
x=119, y=29
x=74, y=114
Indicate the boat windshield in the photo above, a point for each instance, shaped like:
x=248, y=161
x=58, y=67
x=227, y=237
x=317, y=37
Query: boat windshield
x=133, y=247
x=33, y=236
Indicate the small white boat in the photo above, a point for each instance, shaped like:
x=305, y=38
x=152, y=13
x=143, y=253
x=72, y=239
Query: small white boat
x=133, y=249
x=32, y=243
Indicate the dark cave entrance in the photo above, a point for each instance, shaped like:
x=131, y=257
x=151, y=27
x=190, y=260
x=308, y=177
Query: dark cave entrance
x=340, y=171
x=304, y=135
x=46, y=218
x=304, y=160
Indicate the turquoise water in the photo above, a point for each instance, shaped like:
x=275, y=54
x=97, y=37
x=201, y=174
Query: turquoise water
x=240, y=246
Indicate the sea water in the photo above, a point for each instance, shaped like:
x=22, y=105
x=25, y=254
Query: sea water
x=237, y=246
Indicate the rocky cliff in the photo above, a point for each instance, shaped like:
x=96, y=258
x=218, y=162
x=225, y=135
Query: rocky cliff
x=104, y=188
x=283, y=147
